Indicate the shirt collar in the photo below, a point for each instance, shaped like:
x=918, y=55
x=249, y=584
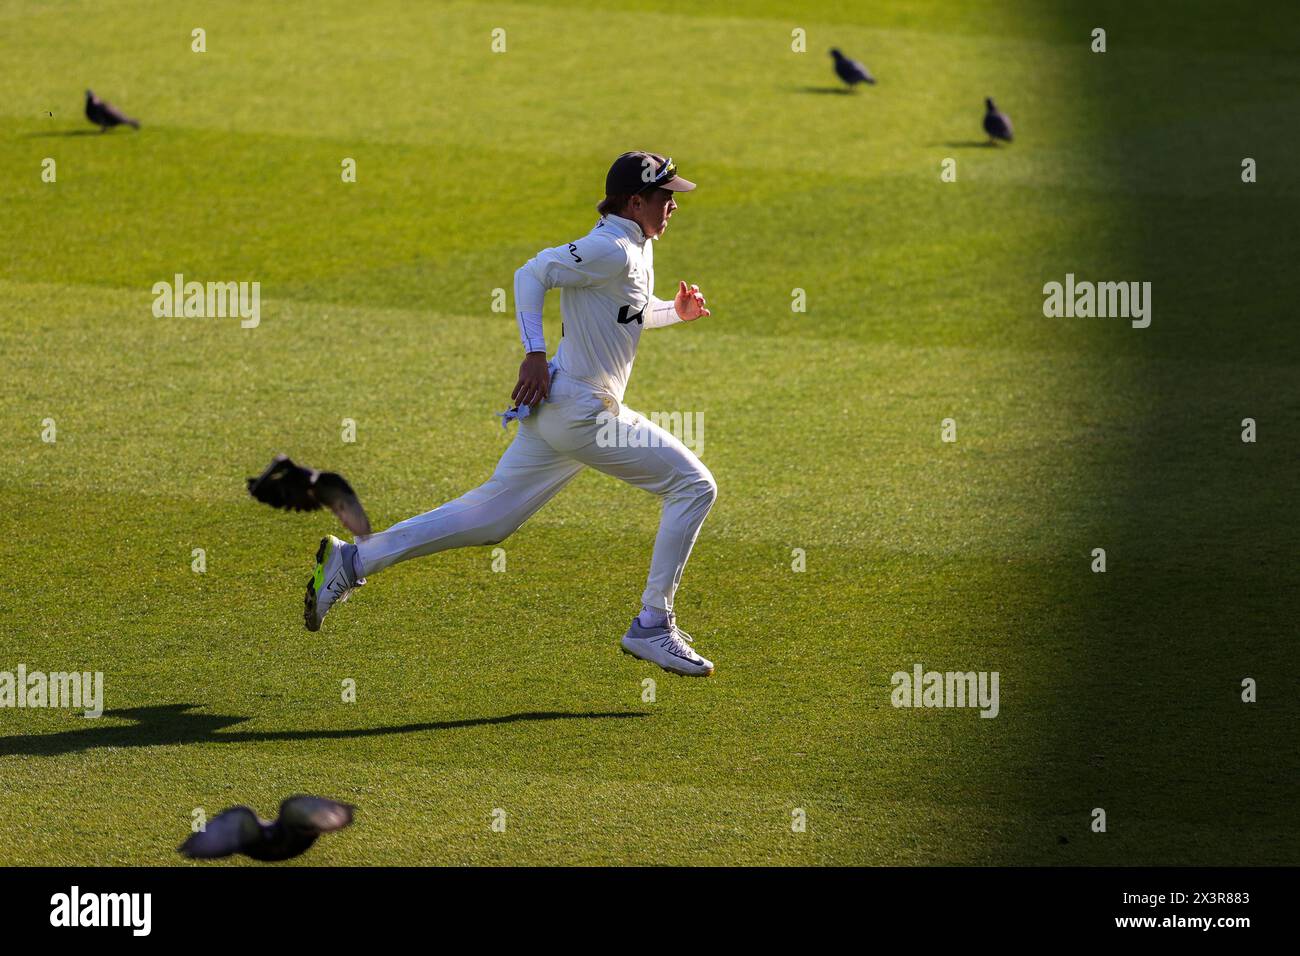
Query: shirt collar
x=627, y=227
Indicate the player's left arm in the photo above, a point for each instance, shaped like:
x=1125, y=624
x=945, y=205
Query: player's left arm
x=686, y=307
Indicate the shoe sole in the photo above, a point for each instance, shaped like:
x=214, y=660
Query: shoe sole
x=309, y=617
x=708, y=673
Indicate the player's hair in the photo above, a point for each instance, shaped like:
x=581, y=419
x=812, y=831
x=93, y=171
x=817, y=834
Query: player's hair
x=618, y=202
x=613, y=204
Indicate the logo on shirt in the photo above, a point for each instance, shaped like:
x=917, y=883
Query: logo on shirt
x=624, y=316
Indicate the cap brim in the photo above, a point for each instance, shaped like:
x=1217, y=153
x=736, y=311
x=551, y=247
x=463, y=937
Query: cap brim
x=678, y=185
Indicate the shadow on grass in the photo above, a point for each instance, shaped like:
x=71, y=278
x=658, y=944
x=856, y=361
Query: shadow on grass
x=70, y=132
x=842, y=90
x=970, y=144
x=173, y=724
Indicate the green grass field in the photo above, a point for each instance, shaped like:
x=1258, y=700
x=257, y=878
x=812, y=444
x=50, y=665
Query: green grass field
x=479, y=690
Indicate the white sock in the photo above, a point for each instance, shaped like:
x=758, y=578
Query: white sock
x=652, y=616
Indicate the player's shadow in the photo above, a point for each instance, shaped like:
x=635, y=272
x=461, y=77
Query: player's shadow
x=968, y=144
x=173, y=724
x=839, y=90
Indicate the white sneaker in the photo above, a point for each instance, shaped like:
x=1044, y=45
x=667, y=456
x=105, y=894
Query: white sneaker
x=333, y=580
x=668, y=646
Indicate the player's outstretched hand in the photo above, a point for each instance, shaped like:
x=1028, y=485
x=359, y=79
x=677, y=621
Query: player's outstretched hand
x=689, y=303
x=534, y=383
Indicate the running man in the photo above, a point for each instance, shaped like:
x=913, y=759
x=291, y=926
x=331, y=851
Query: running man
x=564, y=409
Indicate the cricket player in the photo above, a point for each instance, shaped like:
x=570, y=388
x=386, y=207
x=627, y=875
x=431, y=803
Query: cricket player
x=564, y=409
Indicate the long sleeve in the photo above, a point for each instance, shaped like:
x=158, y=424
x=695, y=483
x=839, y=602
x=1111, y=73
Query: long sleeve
x=589, y=261
x=661, y=312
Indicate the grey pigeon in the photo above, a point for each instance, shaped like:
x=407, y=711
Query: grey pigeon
x=292, y=487
x=850, y=71
x=239, y=830
x=104, y=114
x=997, y=125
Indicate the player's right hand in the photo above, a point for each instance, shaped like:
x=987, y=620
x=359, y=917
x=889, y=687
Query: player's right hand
x=534, y=383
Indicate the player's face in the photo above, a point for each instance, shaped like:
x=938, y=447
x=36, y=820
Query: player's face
x=655, y=209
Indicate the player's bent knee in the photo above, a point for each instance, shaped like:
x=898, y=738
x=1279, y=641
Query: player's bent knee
x=705, y=488
x=693, y=484
x=498, y=531
x=711, y=489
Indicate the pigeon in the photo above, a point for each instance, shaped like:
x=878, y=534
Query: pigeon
x=239, y=830
x=104, y=114
x=850, y=71
x=295, y=488
x=997, y=125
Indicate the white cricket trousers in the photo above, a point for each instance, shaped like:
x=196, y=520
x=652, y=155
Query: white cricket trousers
x=570, y=430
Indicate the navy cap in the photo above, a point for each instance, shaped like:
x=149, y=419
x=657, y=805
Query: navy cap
x=638, y=171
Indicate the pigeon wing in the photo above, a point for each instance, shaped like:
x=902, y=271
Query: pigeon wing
x=314, y=814
x=231, y=831
x=862, y=72
x=116, y=115
x=333, y=491
x=285, y=485
x=997, y=125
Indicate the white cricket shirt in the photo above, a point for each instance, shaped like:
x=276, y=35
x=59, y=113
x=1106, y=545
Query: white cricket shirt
x=607, y=278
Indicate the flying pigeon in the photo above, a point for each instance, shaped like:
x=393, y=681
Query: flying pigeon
x=239, y=830
x=997, y=125
x=294, y=488
x=104, y=114
x=850, y=71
